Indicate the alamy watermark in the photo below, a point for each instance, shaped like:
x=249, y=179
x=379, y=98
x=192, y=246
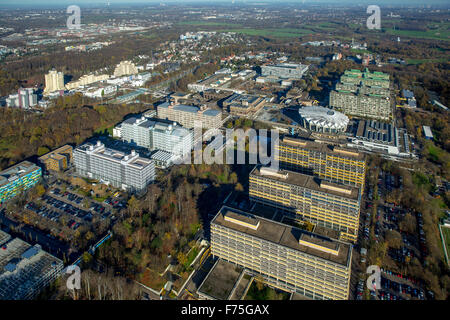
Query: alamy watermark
x=74, y=20
x=374, y=21
x=234, y=144
x=374, y=279
x=74, y=280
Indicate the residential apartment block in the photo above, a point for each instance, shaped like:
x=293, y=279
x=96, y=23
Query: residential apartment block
x=126, y=171
x=331, y=163
x=17, y=179
x=363, y=94
x=57, y=160
x=54, y=81
x=284, y=256
x=307, y=198
x=188, y=115
x=157, y=134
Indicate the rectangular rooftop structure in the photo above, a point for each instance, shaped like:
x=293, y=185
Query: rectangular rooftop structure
x=25, y=270
x=309, y=182
x=242, y=220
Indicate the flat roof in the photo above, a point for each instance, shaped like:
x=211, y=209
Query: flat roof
x=288, y=236
x=22, y=266
x=309, y=182
x=321, y=147
x=220, y=280
x=4, y=237
x=17, y=171
x=56, y=153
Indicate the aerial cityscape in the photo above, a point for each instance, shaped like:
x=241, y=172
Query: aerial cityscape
x=223, y=151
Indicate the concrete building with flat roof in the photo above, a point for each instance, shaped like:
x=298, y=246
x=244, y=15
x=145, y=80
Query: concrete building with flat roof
x=129, y=172
x=188, y=115
x=381, y=137
x=157, y=134
x=363, y=94
x=308, y=198
x=17, y=179
x=57, y=160
x=25, y=270
x=284, y=256
x=285, y=70
x=328, y=162
x=243, y=105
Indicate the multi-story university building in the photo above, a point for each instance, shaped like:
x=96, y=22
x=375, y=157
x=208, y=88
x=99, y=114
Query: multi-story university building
x=25, y=270
x=363, y=94
x=188, y=115
x=129, y=172
x=57, y=160
x=157, y=134
x=243, y=105
x=331, y=163
x=307, y=198
x=285, y=256
x=285, y=70
x=17, y=179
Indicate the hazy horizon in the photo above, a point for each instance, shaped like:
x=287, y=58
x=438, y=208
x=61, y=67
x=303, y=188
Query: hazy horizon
x=95, y=3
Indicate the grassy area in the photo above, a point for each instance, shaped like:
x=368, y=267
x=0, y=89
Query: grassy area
x=191, y=256
x=204, y=23
x=273, y=33
x=421, y=61
x=439, y=34
x=258, y=291
x=151, y=279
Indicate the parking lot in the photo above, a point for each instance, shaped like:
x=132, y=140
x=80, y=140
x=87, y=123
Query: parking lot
x=387, y=225
x=56, y=203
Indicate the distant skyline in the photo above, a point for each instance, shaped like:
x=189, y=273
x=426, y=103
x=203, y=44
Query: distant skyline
x=93, y=3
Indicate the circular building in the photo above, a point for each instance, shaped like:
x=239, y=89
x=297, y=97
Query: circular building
x=320, y=119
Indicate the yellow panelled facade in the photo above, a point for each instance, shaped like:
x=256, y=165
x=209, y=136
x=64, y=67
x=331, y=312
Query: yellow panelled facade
x=333, y=167
x=327, y=210
x=282, y=267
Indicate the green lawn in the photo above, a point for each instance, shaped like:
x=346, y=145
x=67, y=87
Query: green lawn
x=204, y=23
x=421, y=61
x=273, y=33
x=439, y=34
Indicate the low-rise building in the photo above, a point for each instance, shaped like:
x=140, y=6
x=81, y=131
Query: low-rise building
x=381, y=137
x=25, y=270
x=243, y=105
x=320, y=119
x=285, y=70
x=17, y=179
x=57, y=160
